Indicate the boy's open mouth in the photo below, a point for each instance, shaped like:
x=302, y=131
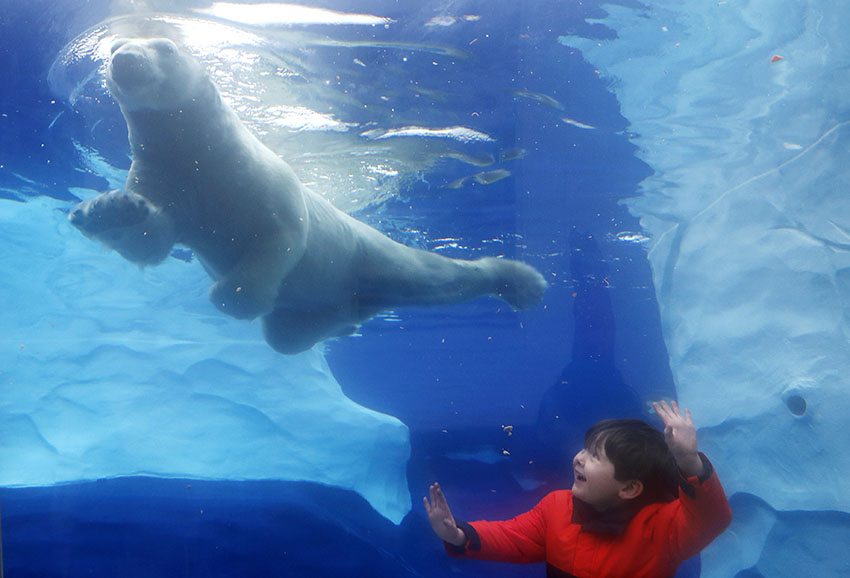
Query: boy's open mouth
x=580, y=477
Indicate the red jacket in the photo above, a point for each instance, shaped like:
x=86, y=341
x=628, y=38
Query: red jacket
x=653, y=542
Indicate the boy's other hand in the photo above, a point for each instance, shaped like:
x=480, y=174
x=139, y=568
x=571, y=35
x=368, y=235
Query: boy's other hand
x=681, y=436
x=440, y=516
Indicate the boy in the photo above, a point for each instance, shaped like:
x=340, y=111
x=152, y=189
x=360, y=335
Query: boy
x=621, y=519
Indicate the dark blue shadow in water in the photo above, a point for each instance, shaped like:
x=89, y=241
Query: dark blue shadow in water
x=590, y=387
x=149, y=527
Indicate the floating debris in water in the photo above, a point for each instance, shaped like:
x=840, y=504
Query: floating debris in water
x=442, y=20
x=475, y=160
x=631, y=237
x=490, y=177
x=61, y=112
x=539, y=97
x=578, y=124
x=459, y=133
x=456, y=184
x=483, y=178
x=448, y=20
x=512, y=154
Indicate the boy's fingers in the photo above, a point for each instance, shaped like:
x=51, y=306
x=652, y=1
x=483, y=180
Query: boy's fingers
x=438, y=496
x=438, y=499
x=435, y=495
x=664, y=412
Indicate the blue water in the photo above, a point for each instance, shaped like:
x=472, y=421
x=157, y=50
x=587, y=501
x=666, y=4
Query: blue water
x=453, y=376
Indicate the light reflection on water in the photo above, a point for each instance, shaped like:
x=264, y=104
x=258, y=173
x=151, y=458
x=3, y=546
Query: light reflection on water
x=302, y=94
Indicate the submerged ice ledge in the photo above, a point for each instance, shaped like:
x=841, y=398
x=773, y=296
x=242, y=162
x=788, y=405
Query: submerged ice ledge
x=112, y=371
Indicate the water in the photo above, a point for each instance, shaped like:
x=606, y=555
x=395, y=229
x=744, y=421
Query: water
x=144, y=433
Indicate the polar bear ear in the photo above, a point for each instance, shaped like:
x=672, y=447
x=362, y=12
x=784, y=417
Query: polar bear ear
x=118, y=43
x=164, y=46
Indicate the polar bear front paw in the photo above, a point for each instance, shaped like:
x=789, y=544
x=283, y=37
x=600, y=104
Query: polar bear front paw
x=112, y=210
x=127, y=223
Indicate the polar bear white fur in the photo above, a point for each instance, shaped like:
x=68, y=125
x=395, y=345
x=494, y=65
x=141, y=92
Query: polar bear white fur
x=276, y=250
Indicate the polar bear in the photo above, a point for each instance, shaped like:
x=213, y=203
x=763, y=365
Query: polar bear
x=275, y=250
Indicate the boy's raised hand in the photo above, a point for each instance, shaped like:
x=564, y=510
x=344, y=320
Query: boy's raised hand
x=681, y=436
x=440, y=516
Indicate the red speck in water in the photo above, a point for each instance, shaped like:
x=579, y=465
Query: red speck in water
x=776, y=58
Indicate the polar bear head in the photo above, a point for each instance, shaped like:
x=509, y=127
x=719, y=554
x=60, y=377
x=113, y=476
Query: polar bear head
x=154, y=74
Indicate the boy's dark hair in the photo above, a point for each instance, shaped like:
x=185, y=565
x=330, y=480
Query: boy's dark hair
x=638, y=452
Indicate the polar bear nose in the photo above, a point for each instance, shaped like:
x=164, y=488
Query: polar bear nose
x=77, y=217
x=130, y=68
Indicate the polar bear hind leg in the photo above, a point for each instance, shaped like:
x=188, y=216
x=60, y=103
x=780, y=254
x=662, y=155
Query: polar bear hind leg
x=447, y=281
x=520, y=285
x=250, y=289
x=291, y=331
x=395, y=278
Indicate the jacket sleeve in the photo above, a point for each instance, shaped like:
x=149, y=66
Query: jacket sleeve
x=520, y=540
x=701, y=516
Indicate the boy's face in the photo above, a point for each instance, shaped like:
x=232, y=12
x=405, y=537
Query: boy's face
x=595, y=483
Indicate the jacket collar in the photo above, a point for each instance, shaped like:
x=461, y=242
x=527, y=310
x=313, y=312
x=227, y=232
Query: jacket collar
x=611, y=521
